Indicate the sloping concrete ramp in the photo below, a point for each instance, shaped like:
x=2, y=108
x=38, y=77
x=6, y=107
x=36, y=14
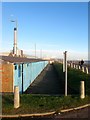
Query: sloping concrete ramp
x=46, y=83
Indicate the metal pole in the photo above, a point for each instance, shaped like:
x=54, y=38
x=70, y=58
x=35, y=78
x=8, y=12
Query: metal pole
x=16, y=32
x=64, y=63
x=16, y=36
x=65, y=56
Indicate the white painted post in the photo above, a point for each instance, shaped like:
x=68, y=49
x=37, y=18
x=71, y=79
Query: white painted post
x=65, y=68
x=79, y=67
x=16, y=97
x=71, y=65
x=76, y=66
x=82, y=90
x=87, y=70
x=83, y=69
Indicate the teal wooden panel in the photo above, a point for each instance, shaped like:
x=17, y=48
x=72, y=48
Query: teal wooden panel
x=30, y=72
x=18, y=76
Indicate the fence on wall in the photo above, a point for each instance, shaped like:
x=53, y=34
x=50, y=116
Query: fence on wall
x=84, y=68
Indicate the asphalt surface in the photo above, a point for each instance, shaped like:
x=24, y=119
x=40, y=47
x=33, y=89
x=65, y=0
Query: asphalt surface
x=46, y=83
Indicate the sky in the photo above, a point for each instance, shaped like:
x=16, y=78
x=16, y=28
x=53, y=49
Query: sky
x=54, y=27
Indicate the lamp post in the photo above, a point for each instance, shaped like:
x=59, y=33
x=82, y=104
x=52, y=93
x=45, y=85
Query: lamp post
x=15, y=22
x=15, y=38
x=65, y=70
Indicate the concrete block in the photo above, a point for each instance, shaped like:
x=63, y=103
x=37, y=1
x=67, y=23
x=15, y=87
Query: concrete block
x=79, y=67
x=83, y=69
x=87, y=70
x=82, y=90
x=16, y=97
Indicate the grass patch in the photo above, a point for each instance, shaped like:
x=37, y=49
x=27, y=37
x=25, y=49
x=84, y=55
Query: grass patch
x=74, y=77
x=38, y=104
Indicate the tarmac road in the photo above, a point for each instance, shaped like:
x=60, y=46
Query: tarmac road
x=46, y=83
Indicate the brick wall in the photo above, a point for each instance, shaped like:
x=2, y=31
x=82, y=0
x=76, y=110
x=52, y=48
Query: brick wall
x=7, y=77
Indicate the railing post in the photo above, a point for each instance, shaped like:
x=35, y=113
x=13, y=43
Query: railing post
x=82, y=90
x=16, y=97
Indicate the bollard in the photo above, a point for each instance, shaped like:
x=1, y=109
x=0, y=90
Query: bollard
x=82, y=90
x=16, y=97
x=79, y=67
x=74, y=65
x=87, y=70
x=71, y=65
x=83, y=69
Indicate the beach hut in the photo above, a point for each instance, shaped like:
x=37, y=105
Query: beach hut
x=17, y=71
